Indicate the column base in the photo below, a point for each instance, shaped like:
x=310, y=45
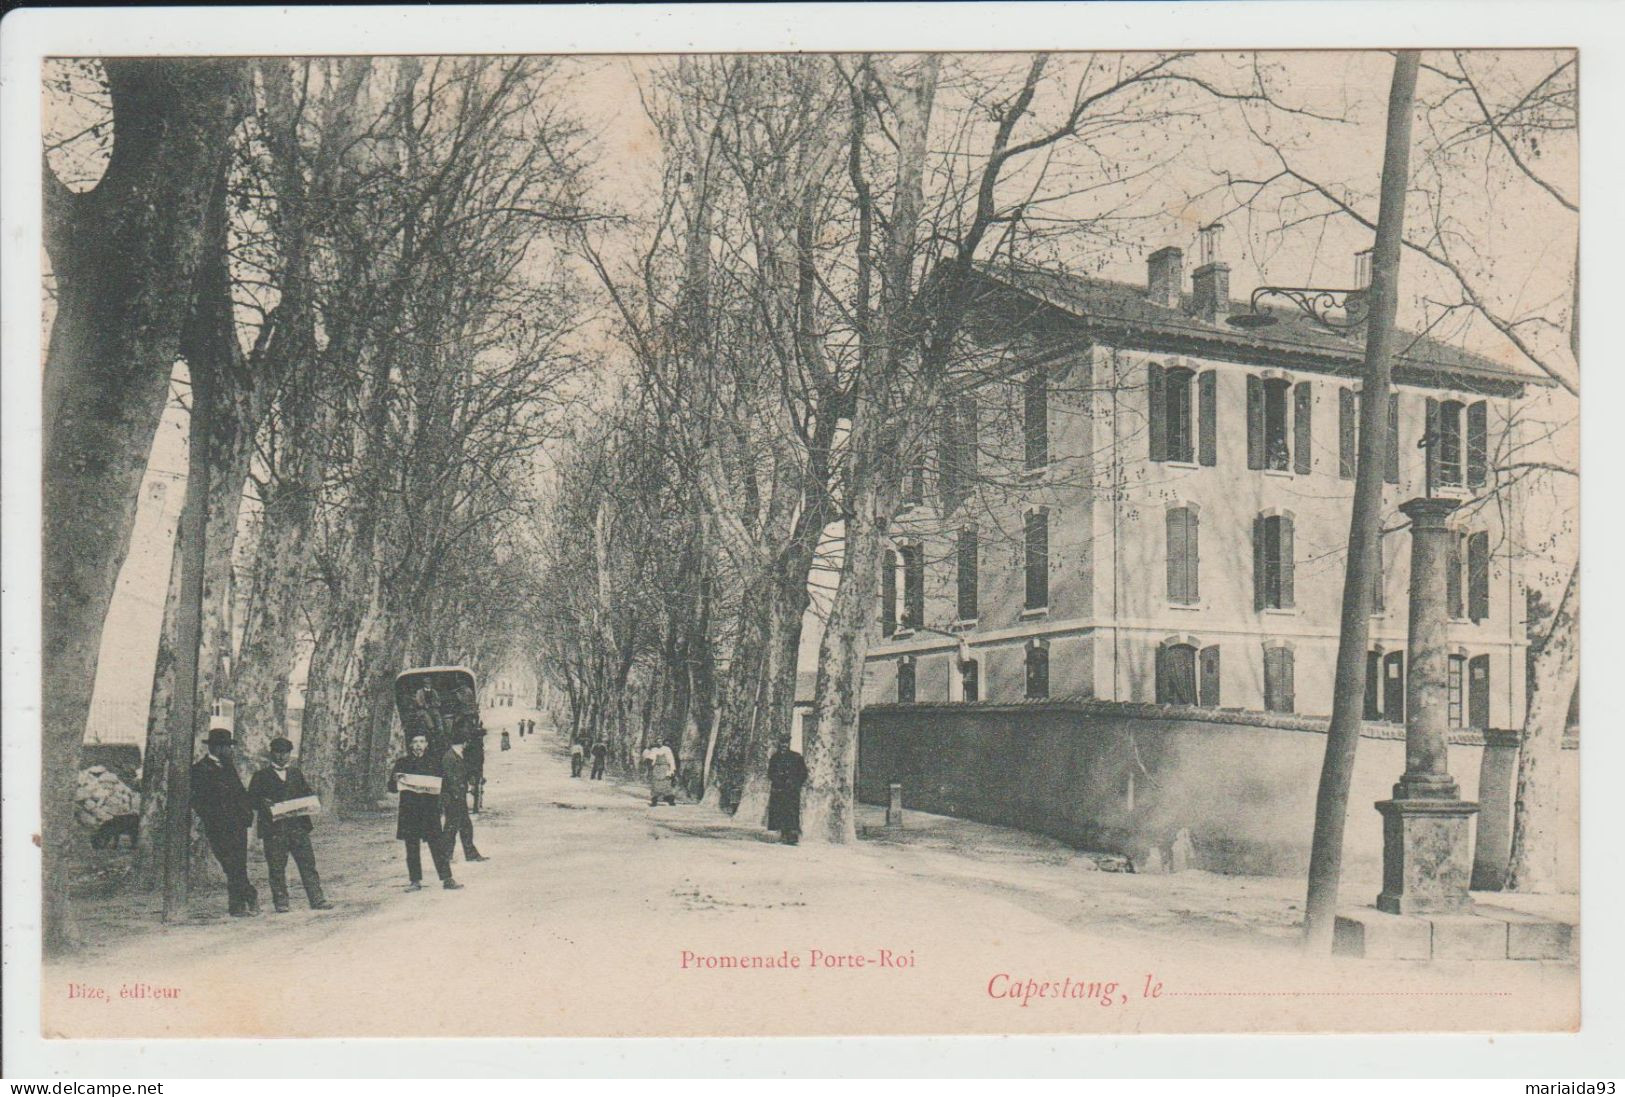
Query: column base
x=1427, y=860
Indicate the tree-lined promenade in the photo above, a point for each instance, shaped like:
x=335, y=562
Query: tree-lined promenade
x=471, y=395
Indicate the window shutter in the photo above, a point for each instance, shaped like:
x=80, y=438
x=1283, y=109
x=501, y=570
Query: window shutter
x=1255, y=422
x=1433, y=439
x=1036, y=415
x=1258, y=561
x=1478, y=691
x=968, y=578
x=1391, y=458
x=1164, y=689
x=1378, y=578
x=1303, y=417
x=1478, y=452
x=914, y=586
x=1478, y=576
x=1373, y=686
x=1393, y=687
x=1176, y=556
x=1193, y=557
x=1346, y=418
x=1289, y=700
x=1208, y=689
x=1157, y=394
x=970, y=448
x=1272, y=679
x=1207, y=417
x=1452, y=577
x=888, y=593
x=1287, y=558
x=1037, y=563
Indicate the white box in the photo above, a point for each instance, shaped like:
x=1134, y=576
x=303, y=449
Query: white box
x=418, y=782
x=303, y=805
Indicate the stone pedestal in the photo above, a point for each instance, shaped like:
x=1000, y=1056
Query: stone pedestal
x=1426, y=864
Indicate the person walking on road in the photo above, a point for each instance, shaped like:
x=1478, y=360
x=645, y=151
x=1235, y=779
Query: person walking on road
x=418, y=820
x=662, y=775
x=454, y=777
x=578, y=755
x=289, y=836
x=786, y=773
x=223, y=807
x=600, y=754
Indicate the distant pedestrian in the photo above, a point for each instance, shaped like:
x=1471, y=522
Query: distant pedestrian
x=289, y=836
x=418, y=820
x=506, y=745
x=662, y=775
x=786, y=773
x=578, y=755
x=600, y=754
x=454, y=778
x=224, y=808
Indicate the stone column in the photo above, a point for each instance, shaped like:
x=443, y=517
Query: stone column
x=1426, y=855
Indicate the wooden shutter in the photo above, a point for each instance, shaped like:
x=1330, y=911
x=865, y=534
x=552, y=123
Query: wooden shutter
x=1255, y=422
x=888, y=593
x=1393, y=687
x=1164, y=690
x=1452, y=576
x=1433, y=438
x=1193, y=556
x=1156, y=388
x=1272, y=679
x=1391, y=458
x=1478, y=576
x=1289, y=699
x=1346, y=420
x=1287, y=601
x=1207, y=693
x=1037, y=562
x=1478, y=452
x=1478, y=691
x=1378, y=579
x=970, y=448
x=1258, y=561
x=1207, y=415
x=1303, y=417
x=1036, y=418
x=1176, y=555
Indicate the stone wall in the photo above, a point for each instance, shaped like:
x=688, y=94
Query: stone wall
x=1127, y=778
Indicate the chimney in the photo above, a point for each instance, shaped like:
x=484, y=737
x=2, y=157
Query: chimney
x=1165, y=276
x=1210, y=282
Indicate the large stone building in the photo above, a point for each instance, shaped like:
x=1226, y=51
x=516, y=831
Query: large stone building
x=1141, y=502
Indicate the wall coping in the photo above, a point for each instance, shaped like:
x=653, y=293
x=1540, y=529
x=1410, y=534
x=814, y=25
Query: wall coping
x=1236, y=717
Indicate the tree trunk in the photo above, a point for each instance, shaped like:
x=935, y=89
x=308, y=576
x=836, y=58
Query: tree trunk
x=1365, y=524
x=124, y=255
x=1537, y=818
x=155, y=758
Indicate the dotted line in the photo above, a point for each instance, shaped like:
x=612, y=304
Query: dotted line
x=1337, y=994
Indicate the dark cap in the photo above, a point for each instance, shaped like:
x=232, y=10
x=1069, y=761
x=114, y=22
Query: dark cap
x=280, y=745
x=458, y=735
x=220, y=737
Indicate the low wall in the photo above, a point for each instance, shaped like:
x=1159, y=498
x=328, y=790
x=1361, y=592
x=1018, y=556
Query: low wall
x=1126, y=778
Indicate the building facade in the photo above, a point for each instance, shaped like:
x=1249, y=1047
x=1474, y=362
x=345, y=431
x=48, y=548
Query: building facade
x=1144, y=503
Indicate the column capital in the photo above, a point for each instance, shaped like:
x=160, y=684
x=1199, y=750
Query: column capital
x=1426, y=513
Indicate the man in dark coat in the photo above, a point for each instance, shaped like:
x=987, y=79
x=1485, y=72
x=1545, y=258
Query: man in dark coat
x=454, y=777
x=224, y=808
x=419, y=818
x=474, y=755
x=600, y=754
x=786, y=773
x=281, y=780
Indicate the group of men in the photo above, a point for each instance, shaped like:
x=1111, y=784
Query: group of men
x=227, y=809
x=435, y=811
x=578, y=757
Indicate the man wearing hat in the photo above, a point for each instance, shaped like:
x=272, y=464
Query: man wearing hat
x=454, y=777
x=291, y=835
x=225, y=810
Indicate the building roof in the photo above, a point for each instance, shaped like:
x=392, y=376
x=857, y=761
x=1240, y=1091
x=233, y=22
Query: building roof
x=1123, y=314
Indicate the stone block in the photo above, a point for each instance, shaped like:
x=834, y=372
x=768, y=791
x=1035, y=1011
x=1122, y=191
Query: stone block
x=1468, y=937
x=1532, y=937
x=1372, y=934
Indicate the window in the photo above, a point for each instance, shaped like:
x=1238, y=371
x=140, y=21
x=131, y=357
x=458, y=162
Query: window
x=970, y=680
x=1183, y=558
x=905, y=680
x=1348, y=432
x=1037, y=669
x=1267, y=446
x=1278, y=694
x=1035, y=418
x=1452, y=459
x=888, y=593
x=1454, y=681
x=1036, y=544
x=1447, y=445
x=1478, y=447
x=913, y=557
x=1176, y=674
x=958, y=450
x=1478, y=576
x=1272, y=562
x=1177, y=435
x=914, y=485
x=1478, y=691
x=967, y=579
x=1373, y=686
x=1208, y=686
x=1303, y=419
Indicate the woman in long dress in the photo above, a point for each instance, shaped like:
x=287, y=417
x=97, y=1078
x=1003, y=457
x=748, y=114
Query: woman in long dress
x=662, y=772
